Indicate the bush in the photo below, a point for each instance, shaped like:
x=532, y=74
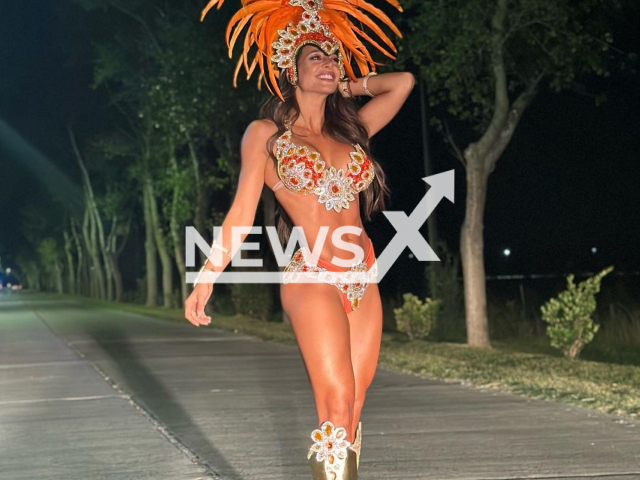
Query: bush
x=253, y=299
x=569, y=315
x=221, y=300
x=416, y=318
x=445, y=284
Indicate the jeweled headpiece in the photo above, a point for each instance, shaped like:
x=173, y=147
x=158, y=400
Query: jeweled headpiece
x=279, y=28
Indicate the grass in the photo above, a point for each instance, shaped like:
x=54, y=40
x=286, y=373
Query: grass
x=528, y=367
x=606, y=387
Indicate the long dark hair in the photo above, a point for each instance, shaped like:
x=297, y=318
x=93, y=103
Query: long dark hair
x=342, y=123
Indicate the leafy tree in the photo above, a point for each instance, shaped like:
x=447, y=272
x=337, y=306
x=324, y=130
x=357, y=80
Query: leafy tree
x=484, y=62
x=39, y=258
x=172, y=84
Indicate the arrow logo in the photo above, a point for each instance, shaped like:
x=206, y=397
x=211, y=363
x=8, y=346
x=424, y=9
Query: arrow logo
x=408, y=235
x=408, y=228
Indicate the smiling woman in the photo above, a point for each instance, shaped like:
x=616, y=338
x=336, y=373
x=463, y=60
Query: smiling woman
x=311, y=146
x=313, y=63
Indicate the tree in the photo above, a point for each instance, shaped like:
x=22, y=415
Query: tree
x=40, y=258
x=485, y=62
x=172, y=84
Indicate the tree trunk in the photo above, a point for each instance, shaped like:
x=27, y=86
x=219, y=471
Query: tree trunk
x=95, y=256
x=81, y=286
x=179, y=255
x=174, y=227
x=150, y=250
x=71, y=269
x=113, y=251
x=98, y=241
x=428, y=171
x=201, y=198
x=89, y=235
x=472, y=254
x=574, y=349
x=480, y=160
x=117, y=277
x=101, y=244
x=33, y=280
x=161, y=244
x=105, y=256
x=58, y=277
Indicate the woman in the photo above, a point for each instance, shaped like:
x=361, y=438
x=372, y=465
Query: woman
x=311, y=147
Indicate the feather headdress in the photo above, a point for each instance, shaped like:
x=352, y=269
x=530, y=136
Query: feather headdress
x=279, y=28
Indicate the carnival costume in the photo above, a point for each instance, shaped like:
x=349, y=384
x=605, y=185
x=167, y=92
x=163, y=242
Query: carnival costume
x=279, y=29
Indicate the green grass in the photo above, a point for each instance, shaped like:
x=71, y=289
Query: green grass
x=606, y=387
x=529, y=367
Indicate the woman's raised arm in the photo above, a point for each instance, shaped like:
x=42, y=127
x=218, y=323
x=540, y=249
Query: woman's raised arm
x=391, y=91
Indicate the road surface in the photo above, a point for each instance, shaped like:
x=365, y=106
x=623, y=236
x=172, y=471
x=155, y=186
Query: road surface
x=100, y=394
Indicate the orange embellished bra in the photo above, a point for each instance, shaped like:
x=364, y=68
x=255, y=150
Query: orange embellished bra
x=302, y=170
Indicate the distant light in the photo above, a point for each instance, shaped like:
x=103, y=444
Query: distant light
x=594, y=249
x=410, y=255
x=8, y=270
x=506, y=252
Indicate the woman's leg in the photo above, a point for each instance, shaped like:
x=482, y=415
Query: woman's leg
x=365, y=328
x=322, y=330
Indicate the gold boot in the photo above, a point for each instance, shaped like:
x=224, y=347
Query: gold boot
x=357, y=443
x=333, y=460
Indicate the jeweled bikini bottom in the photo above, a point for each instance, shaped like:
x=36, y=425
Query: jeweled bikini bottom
x=352, y=282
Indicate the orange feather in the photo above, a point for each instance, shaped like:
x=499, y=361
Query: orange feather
x=262, y=19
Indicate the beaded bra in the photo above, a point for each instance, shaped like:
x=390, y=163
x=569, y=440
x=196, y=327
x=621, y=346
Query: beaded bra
x=302, y=170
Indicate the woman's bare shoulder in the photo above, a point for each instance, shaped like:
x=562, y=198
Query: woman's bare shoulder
x=261, y=129
x=256, y=136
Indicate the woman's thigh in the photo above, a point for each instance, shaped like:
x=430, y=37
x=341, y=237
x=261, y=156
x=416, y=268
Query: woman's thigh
x=365, y=326
x=321, y=328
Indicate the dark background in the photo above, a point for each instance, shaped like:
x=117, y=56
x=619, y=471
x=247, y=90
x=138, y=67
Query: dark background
x=568, y=181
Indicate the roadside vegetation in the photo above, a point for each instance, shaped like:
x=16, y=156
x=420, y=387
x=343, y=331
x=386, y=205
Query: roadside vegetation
x=605, y=377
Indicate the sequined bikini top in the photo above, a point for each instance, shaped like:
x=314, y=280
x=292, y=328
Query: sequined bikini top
x=303, y=171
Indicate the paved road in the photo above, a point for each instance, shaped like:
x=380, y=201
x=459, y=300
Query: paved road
x=98, y=394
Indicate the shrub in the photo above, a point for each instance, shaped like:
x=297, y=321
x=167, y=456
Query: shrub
x=221, y=300
x=253, y=299
x=570, y=326
x=416, y=318
x=445, y=284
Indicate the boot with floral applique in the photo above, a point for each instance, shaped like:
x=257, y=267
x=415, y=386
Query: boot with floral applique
x=330, y=457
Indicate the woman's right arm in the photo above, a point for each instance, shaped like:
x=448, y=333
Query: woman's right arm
x=253, y=158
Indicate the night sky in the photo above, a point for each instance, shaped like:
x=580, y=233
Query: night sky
x=569, y=181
